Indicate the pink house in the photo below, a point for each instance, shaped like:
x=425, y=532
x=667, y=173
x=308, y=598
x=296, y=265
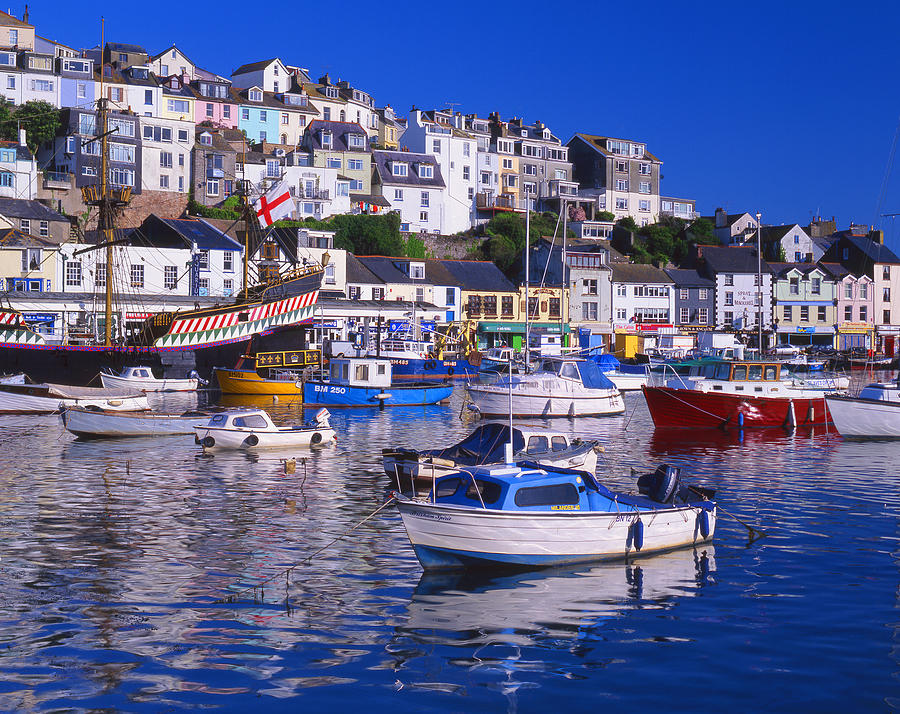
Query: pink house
x=214, y=103
x=855, y=308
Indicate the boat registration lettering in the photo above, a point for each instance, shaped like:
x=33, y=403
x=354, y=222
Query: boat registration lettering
x=430, y=516
x=399, y=361
x=574, y=507
x=626, y=518
x=329, y=390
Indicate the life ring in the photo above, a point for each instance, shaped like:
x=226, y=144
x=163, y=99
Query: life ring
x=316, y=438
x=251, y=440
x=208, y=442
x=449, y=371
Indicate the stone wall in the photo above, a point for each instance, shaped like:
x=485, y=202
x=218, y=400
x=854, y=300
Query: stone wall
x=449, y=247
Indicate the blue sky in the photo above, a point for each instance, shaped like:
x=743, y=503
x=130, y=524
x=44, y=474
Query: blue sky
x=787, y=108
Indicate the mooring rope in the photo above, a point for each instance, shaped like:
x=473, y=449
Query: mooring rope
x=286, y=572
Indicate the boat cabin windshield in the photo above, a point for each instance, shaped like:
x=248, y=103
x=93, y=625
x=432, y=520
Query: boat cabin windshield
x=251, y=421
x=742, y=372
x=539, y=444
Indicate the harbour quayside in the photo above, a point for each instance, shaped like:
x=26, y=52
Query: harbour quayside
x=197, y=339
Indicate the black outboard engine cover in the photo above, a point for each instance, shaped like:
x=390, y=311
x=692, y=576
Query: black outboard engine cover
x=661, y=485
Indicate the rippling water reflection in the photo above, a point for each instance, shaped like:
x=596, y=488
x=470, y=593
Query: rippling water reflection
x=114, y=555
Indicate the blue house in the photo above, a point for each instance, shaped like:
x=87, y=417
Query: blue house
x=257, y=116
x=76, y=82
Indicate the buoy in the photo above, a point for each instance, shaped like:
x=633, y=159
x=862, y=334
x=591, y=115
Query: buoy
x=703, y=522
x=791, y=421
x=637, y=534
x=741, y=420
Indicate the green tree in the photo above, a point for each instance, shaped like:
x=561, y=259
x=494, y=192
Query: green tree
x=627, y=223
x=40, y=120
x=606, y=216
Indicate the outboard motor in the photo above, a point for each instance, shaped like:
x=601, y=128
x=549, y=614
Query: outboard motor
x=321, y=418
x=661, y=485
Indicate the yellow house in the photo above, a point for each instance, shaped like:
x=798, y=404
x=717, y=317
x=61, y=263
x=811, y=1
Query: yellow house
x=27, y=263
x=16, y=34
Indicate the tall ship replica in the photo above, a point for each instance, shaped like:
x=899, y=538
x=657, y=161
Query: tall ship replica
x=202, y=338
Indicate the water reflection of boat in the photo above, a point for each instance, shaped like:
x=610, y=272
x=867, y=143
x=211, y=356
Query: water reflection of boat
x=518, y=608
x=664, y=442
x=261, y=401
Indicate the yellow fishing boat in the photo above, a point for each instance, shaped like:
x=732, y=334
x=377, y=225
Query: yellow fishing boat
x=279, y=373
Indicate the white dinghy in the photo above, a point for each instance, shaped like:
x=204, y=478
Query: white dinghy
x=874, y=414
x=142, y=379
x=254, y=429
x=97, y=424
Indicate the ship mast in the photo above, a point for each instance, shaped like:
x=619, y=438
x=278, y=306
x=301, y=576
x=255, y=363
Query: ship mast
x=106, y=200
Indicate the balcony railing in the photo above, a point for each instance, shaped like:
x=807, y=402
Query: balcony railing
x=503, y=202
x=57, y=179
x=322, y=194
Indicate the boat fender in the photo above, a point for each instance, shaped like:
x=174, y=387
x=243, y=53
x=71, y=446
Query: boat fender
x=703, y=522
x=637, y=534
x=208, y=442
x=316, y=438
x=449, y=371
x=251, y=440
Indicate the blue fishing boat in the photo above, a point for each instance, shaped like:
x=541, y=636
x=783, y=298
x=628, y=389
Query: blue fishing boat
x=416, y=359
x=367, y=382
x=530, y=515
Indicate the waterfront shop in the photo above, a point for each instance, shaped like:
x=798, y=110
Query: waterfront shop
x=855, y=335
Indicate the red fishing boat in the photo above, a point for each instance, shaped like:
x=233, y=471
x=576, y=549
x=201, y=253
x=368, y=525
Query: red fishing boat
x=735, y=395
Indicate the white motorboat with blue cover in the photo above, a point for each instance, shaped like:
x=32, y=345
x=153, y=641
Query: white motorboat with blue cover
x=254, y=429
x=487, y=445
x=873, y=414
x=528, y=515
x=560, y=387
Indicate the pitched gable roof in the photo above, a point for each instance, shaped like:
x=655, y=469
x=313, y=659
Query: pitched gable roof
x=256, y=66
x=34, y=210
x=478, y=275
x=638, y=273
x=598, y=144
x=732, y=260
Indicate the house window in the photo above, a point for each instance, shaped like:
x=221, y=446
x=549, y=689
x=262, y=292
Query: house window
x=644, y=206
x=426, y=171
x=729, y=279
x=863, y=313
x=821, y=314
x=621, y=184
x=31, y=259
x=262, y=115
x=804, y=313
x=486, y=178
x=165, y=159
x=490, y=305
x=588, y=287
x=703, y=316
x=13, y=38
x=255, y=95
x=848, y=313
x=886, y=314
x=863, y=291
x=798, y=257
x=886, y=295
x=333, y=162
x=170, y=277
x=886, y=272
x=729, y=317
x=816, y=286
x=73, y=273
x=729, y=298
x=398, y=194
x=354, y=164
x=273, y=168
x=164, y=181
x=848, y=291
x=25, y=225
x=644, y=187
x=788, y=311
x=683, y=294
x=7, y=179
x=436, y=146
x=621, y=313
x=226, y=111
x=474, y=305
x=644, y=169
x=554, y=307
x=621, y=204
x=353, y=292
x=203, y=286
x=378, y=293
x=398, y=169
x=245, y=114
x=212, y=187
x=10, y=81
x=178, y=106
x=424, y=203
x=466, y=173
x=423, y=216
x=203, y=260
x=622, y=290
x=416, y=271
x=506, y=305
x=795, y=286
x=326, y=113
x=684, y=315
x=622, y=167
x=137, y=276
x=589, y=311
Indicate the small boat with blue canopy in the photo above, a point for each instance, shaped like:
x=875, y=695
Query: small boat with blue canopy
x=628, y=378
x=526, y=514
x=367, y=382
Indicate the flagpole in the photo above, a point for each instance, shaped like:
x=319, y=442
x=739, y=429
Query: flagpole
x=245, y=201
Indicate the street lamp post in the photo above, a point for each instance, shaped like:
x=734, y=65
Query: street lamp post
x=759, y=281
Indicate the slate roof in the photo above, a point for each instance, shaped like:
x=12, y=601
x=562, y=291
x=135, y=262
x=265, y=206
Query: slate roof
x=732, y=260
x=270, y=100
x=385, y=269
x=437, y=273
x=11, y=237
x=771, y=234
x=597, y=144
x=7, y=20
x=382, y=161
x=255, y=66
x=22, y=152
x=782, y=269
x=478, y=275
x=34, y=210
x=179, y=232
x=370, y=198
x=638, y=273
x=124, y=47
x=359, y=273
x=876, y=252
x=689, y=278
x=835, y=270
x=218, y=141
x=339, y=132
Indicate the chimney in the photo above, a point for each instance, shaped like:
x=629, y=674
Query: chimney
x=877, y=237
x=22, y=141
x=25, y=15
x=721, y=218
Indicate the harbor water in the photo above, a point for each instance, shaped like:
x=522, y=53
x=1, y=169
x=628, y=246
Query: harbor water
x=143, y=575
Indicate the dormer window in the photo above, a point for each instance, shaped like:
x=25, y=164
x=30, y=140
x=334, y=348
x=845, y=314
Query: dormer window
x=107, y=71
x=175, y=83
x=331, y=92
x=255, y=95
x=356, y=141
x=524, y=133
x=140, y=72
x=417, y=271
x=206, y=139
x=398, y=168
x=546, y=133
x=426, y=171
x=326, y=140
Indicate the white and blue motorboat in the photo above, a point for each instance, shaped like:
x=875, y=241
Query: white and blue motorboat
x=626, y=379
x=526, y=514
x=367, y=382
x=498, y=359
x=416, y=359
